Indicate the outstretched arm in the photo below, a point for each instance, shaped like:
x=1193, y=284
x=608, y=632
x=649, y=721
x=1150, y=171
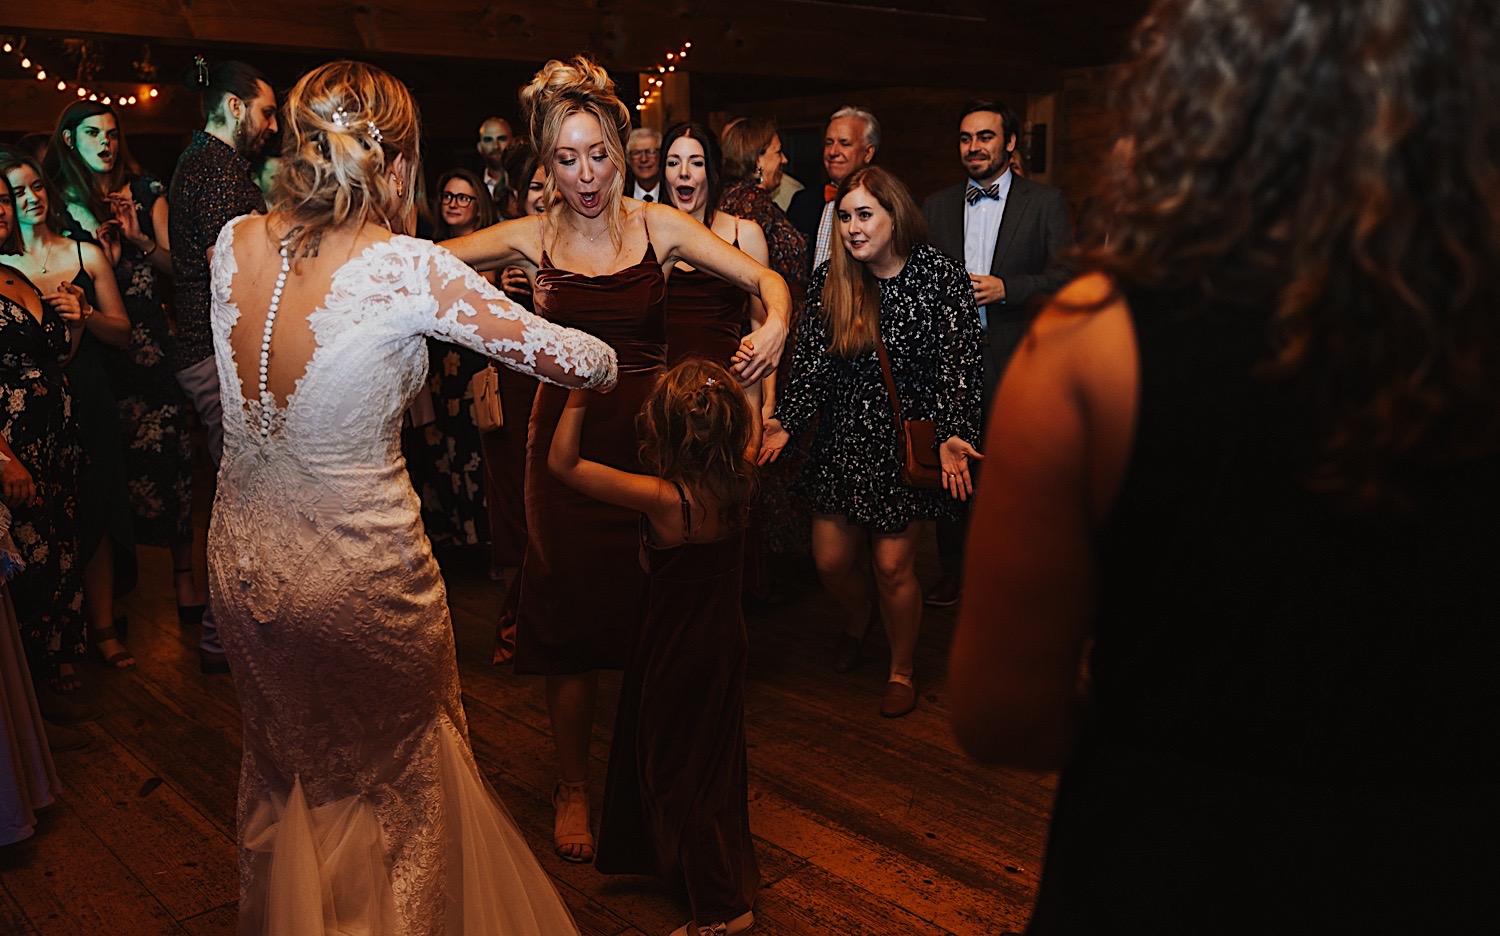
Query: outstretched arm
x=499, y=245
x=650, y=495
x=680, y=237
x=469, y=311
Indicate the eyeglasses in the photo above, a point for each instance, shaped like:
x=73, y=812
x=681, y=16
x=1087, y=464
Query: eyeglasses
x=458, y=198
x=637, y=154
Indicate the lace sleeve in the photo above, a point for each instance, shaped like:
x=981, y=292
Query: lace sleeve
x=469, y=311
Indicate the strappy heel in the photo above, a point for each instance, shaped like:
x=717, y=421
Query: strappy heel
x=740, y=924
x=121, y=659
x=571, y=827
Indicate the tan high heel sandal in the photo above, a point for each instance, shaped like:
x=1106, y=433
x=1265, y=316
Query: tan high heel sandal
x=571, y=827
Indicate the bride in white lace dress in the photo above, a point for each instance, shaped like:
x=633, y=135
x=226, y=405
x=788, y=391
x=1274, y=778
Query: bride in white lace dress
x=361, y=809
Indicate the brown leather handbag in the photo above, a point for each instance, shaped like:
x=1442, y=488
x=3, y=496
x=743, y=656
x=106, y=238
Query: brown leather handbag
x=920, y=465
x=485, y=386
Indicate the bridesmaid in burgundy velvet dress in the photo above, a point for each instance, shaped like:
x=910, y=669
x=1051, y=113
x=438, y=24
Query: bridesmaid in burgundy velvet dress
x=581, y=579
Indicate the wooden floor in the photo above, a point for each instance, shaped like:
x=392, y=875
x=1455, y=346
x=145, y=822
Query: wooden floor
x=863, y=825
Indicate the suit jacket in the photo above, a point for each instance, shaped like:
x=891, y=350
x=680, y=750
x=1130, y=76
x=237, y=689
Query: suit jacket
x=1034, y=233
x=806, y=212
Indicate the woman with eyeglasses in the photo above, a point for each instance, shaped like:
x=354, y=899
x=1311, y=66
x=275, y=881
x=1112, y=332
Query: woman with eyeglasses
x=443, y=456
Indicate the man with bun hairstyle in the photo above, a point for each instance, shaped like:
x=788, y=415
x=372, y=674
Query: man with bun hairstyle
x=213, y=184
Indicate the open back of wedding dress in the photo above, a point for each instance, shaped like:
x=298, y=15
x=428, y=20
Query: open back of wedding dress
x=361, y=809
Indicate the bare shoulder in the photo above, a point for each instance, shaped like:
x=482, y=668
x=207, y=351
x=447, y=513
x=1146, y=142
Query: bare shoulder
x=750, y=234
x=93, y=257
x=1088, y=316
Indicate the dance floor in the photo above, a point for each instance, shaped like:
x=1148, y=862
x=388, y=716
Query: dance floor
x=863, y=825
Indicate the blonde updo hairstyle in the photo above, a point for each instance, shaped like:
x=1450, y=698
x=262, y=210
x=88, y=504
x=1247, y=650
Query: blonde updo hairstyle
x=345, y=123
x=580, y=86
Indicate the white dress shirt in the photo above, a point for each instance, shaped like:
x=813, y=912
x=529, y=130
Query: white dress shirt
x=637, y=192
x=981, y=230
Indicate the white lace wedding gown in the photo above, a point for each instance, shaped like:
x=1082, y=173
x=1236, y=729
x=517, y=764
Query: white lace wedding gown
x=361, y=809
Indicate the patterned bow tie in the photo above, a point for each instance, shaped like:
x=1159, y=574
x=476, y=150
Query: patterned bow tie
x=975, y=193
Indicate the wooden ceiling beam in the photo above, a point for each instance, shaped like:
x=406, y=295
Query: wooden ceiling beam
x=772, y=37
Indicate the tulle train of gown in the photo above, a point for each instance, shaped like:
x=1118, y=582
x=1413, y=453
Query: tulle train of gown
x=361, y=808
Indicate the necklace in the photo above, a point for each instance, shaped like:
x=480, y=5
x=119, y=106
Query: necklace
x=267, y=402
x=579, y=231
x=47, y=260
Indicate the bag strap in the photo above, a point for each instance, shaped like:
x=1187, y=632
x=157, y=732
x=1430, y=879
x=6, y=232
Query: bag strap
x=890, y=383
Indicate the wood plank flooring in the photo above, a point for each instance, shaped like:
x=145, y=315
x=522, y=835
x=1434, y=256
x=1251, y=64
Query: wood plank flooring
x=863, y=825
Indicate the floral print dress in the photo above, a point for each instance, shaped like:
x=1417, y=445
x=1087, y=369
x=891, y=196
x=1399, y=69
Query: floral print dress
x=152, y=408
x=37, y=421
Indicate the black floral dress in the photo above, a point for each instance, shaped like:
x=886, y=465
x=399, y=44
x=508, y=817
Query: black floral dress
x=931, y=330
x=152, y=408
x=37, y=421
x=781, y=524
x=444, y=456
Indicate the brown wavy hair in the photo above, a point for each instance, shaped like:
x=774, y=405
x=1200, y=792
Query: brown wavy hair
x=851, y=293
x=1341, y=162
x=66, y=167
x=696, y=428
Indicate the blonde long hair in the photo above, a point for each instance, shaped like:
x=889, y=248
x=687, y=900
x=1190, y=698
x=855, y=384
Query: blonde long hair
x=851, y=294
x=557, y=92
x=345, y=124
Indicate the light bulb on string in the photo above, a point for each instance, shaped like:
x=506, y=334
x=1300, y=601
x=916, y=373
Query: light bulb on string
x=62, y=86
x=152, y=92
x=25, y=62
x=8, y=47
x=41, y=74
x=82, y=92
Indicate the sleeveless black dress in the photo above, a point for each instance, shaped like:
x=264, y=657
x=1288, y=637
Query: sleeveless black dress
x=1296, y=719
x=103, y=489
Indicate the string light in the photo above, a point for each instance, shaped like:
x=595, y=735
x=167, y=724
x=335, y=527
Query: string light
x=40, y=73
x=654, y=82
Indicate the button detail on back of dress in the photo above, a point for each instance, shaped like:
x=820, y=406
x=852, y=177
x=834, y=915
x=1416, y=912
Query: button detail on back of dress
x=267, y=403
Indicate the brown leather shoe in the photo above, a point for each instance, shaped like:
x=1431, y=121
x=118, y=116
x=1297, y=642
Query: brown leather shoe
x=899, y=699
x=942, y=595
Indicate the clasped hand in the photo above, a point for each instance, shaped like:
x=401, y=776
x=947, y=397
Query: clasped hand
x=759, y=352
x=69, y=303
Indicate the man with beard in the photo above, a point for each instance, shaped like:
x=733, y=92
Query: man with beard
x=1011, y=234
x=213, y=184
x=495, y=135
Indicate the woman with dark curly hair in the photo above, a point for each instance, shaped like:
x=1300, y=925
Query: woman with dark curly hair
x=1254, y=456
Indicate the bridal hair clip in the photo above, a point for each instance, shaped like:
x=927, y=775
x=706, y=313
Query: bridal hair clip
x=709, y=382
x=201, y=65
x=343, y=121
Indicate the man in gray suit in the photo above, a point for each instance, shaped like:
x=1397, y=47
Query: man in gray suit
x=1011, y=234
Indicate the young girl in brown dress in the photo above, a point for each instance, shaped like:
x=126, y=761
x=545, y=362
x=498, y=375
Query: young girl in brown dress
x=675, y=801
